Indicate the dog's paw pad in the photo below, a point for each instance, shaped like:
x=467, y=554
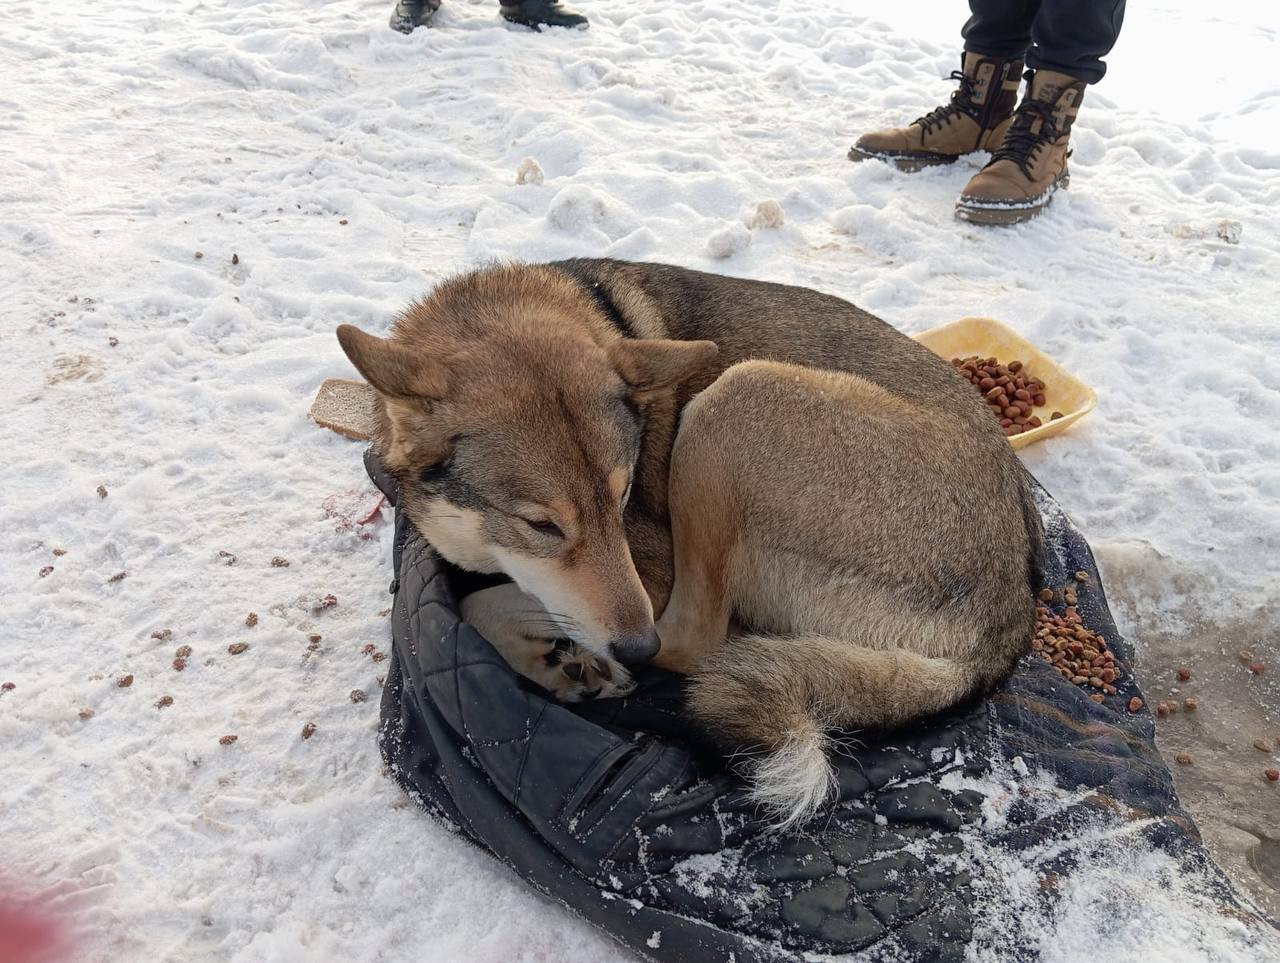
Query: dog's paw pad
x=583, y=675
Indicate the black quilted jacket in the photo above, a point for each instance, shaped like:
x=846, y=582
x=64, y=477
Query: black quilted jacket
x=618, y=812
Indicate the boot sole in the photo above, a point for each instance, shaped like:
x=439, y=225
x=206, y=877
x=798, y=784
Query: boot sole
x=977, y=211
x=537, y=25
x=908, y=163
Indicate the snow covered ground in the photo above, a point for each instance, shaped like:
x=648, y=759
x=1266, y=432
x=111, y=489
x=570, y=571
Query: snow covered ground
x=194, y=194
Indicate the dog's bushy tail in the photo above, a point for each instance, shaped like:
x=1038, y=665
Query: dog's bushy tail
x=782, y=695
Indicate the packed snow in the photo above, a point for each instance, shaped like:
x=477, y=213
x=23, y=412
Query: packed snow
x=194, y=195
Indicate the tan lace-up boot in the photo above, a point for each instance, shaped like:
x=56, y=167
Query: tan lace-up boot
x=1030, y=165
x=975, y=118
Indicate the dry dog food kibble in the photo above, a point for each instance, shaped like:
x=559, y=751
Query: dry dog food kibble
x=1184, y=758
x=235, y=648
x=1273, y=775
x=1010, y=392
x=1184, y=674
x=227, y=740
x=1078, y=653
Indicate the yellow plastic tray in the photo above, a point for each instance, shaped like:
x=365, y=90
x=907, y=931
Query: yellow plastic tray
x=989, y=338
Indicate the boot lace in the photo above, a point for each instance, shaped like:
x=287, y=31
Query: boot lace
x=1021, y=142
x=961, y=103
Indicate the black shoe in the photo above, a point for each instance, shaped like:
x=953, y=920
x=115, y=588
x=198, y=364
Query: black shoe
x=539, y=13
x=413, y=13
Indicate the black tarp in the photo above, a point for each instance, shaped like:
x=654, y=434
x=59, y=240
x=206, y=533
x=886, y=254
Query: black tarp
x=617, y=811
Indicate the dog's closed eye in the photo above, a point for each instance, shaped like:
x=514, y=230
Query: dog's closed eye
x=545, y=527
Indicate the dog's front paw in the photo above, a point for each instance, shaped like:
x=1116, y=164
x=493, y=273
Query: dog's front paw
x=575, y=674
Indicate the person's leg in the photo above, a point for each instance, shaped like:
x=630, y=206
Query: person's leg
x=995, y=38
x=1000, y=28
x=1030, y=165
x=1072, y=37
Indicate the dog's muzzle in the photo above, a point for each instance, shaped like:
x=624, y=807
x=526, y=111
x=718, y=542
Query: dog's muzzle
x=635, y=649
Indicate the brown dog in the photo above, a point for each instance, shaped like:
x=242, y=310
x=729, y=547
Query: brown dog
x=830, y=523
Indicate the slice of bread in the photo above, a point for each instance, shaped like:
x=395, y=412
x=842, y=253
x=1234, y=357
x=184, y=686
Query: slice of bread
x=346, y=407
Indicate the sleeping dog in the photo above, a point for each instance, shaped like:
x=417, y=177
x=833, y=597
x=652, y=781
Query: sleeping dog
x=760, y=486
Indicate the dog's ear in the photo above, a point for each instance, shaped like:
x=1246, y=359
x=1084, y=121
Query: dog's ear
x=391, y=368
x=648, y=365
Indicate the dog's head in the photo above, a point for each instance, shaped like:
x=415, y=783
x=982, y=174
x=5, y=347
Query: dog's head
x=515, y=453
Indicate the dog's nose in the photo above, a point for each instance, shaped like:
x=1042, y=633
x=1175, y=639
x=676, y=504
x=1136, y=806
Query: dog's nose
x=634, y=649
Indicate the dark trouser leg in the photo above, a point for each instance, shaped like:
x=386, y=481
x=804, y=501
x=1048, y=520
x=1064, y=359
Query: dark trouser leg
x=1069, y=36
x=1000, y=28
x=1072, y=37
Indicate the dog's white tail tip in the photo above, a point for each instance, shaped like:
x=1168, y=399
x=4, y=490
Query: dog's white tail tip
x=794, y=780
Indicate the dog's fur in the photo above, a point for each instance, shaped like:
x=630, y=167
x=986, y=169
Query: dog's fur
x=837, y=535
